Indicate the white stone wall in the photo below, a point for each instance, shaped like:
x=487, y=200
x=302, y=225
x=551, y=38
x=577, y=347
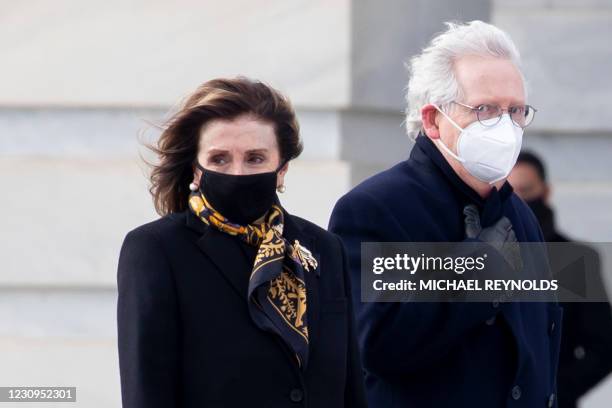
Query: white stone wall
x=149, y=53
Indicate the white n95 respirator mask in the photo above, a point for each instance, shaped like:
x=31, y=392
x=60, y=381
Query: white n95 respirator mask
x=487, y=152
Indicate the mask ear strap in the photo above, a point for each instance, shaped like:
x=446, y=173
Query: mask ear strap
x=198, y=165
x=439, y=141
x=448, y=117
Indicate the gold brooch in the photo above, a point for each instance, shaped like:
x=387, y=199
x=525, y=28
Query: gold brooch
x=304, y=256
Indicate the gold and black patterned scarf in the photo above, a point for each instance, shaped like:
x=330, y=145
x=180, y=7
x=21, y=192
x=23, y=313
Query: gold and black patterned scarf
x=277, y=291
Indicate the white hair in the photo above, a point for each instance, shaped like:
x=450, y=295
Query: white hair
x=432, y=76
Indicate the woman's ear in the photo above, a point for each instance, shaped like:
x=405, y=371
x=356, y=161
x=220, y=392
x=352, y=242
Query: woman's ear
x=429, y=118
x=280, y=177
x=197, y=175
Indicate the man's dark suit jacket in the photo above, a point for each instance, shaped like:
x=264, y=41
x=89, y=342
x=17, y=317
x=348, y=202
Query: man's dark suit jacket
x=186, y=338
x=446, y=354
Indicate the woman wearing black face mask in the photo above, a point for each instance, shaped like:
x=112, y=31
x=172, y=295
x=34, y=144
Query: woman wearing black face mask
x=228, y=300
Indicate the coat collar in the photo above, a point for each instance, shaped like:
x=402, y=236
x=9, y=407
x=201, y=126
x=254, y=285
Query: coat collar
x=292, y=230
x=491, y=207
x=230, y=261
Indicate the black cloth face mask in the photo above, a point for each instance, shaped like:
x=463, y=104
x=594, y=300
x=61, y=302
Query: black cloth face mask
x=241, y=199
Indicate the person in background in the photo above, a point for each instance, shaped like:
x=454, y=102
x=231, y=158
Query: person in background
x=467, y=109
x=586, y=342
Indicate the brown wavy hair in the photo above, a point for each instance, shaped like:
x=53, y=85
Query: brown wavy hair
x=220, y=98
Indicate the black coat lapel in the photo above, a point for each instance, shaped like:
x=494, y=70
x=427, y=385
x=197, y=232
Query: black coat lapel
x=225, y=253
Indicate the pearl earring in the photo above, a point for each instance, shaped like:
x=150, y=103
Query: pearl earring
x=193, y=187
x=281, y=188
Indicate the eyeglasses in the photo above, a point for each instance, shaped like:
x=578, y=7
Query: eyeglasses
x=521, y=115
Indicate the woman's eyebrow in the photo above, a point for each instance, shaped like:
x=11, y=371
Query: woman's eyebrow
x=262, y=150
x=217, y=151
x=214, y=150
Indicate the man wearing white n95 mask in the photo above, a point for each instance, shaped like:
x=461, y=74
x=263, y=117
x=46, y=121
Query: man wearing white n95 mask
x=467, y=111
x=489, y=146
x=488, y=124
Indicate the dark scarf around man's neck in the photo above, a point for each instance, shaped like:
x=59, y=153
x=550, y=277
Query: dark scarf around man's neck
x=490, y=208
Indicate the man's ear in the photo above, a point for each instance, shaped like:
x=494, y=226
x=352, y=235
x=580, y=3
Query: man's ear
x=429, y=117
